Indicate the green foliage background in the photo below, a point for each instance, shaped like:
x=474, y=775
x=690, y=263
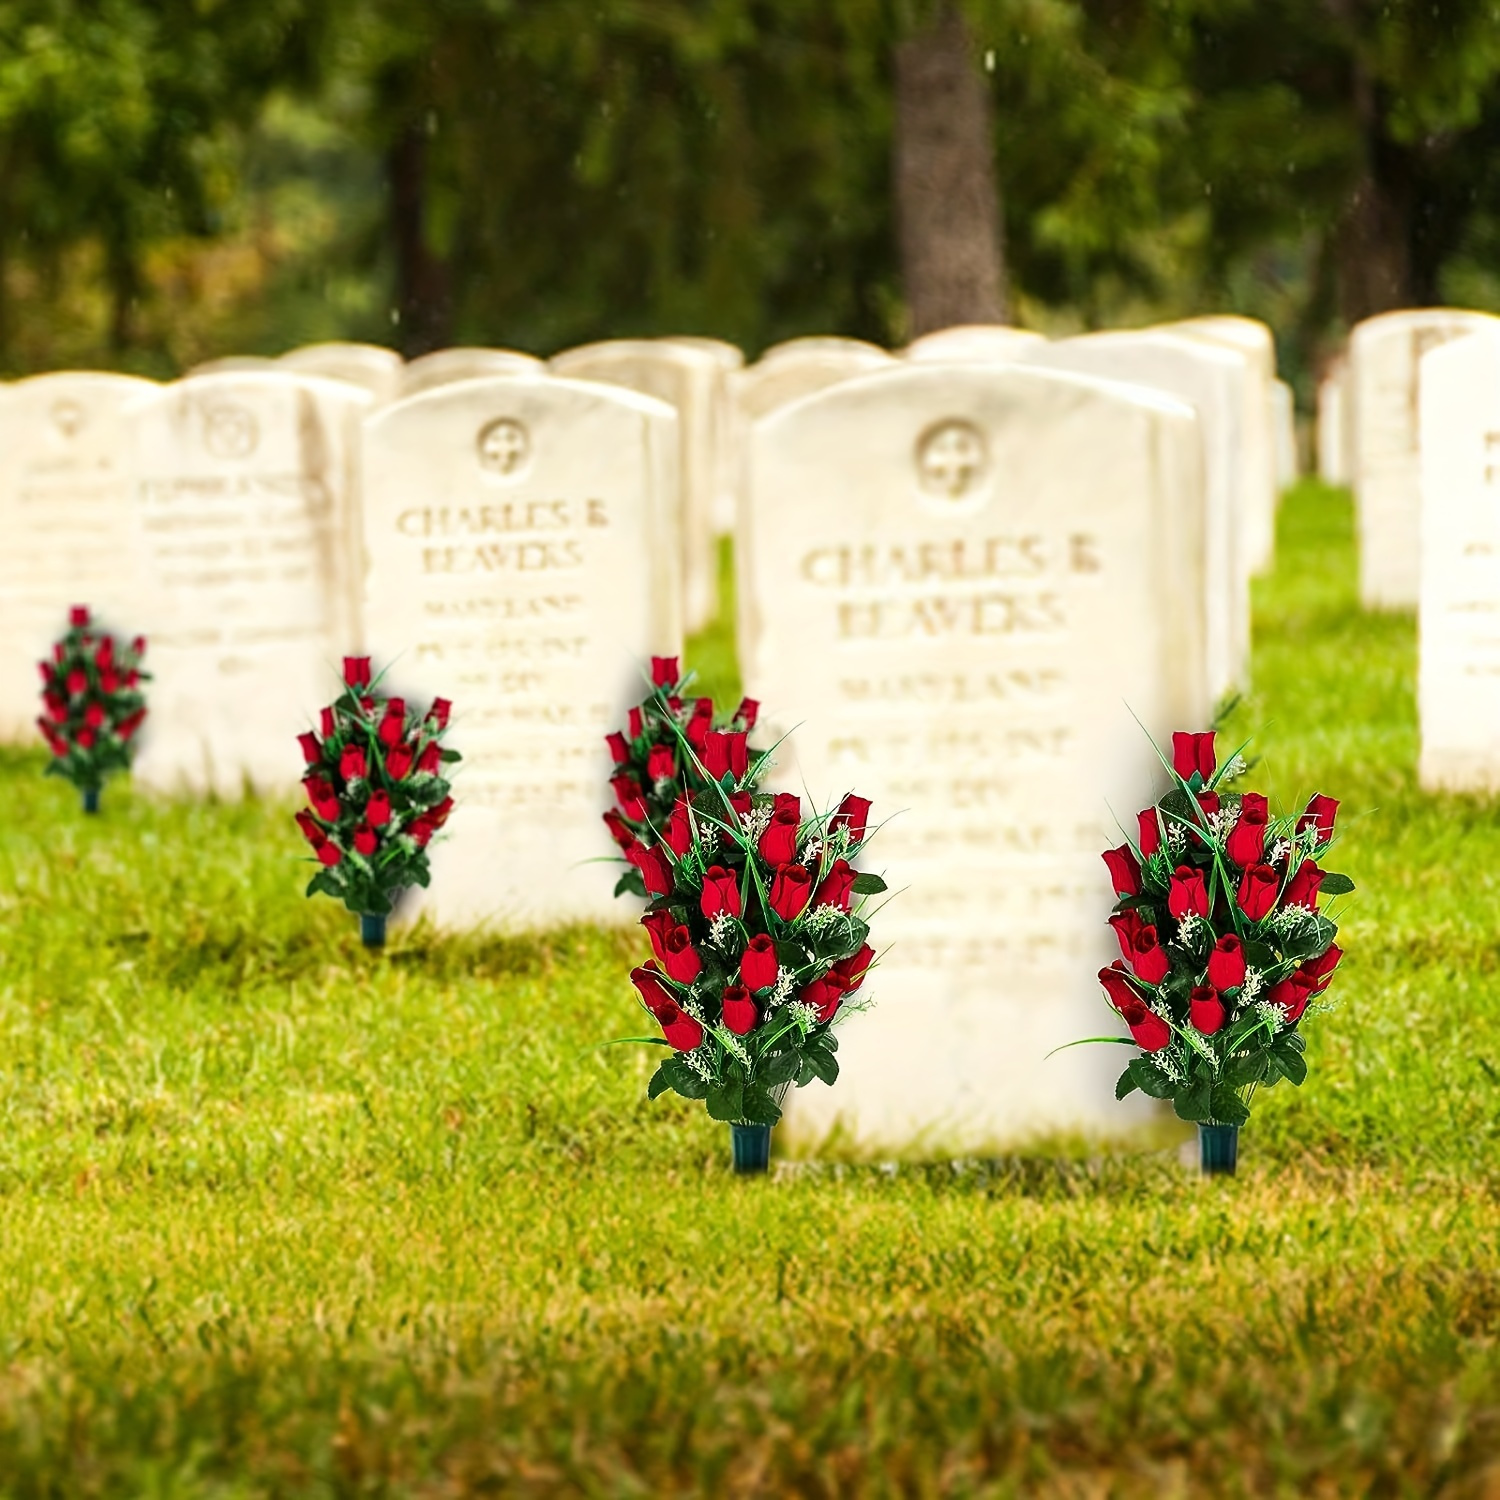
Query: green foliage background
x=187, y=178
x=280, y=1216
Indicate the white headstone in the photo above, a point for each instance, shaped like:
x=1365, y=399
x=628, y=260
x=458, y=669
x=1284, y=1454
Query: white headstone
x=973, y=341
x=724, y=460
x=65, y=500
x=817, y=343
x=964, y=580
x=369, y=366
x=233, y=364
x=1210, y=380
x=1385, y=355
x=521, y=537
x=1459, y=610
x=444, y=366
x=686, y=379
x=1333, y=424
x=1255, y=343
x=245, y=509
x=1284, y=432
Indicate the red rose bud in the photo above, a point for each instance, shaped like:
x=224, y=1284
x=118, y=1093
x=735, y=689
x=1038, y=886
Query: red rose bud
x=778, y=842
x=619, y=830
x=131, y=724
x=655, y=996
x=701, y=722
x=366, y=840
x=1226, y=964
x=321, y=795
x=1124, y=870
x=1149, y=836
x=721, y=893
x=368, y=704
x=430, y=761
x=439, y=712
x=658, y=924
x=45, y=668
x=1187, y=895
x=748, y=712
x=661, y=764
x=398, y=762
x=85, y=740
x=758, y=966
x=1302, y=888
x=1292, y=995
x=853, y=814
x=131, y=678
x=664, y=671
x=378, y=810
x=58, y=709
x=1257, y=893
x=837, y=886
x=138, y=646
x=1246, y=844
x=740, y=802
x=109, y=681
x=1148, y=1030
x=1205, y=1010
x=679, y=1028
x=1193, y=753
x=421, y=830
x=825, y=995
x=851, y=971
x=312, y=751
x=352, y=763
x=77, y=681
x=1127, y=926
x=791, y=887
x=1209, y=803
x=619, y=750
x=329, y=854
x=58, y=652
x=740, y=1014
x=357, y=671
x=678, y=833
x=679, y=957
x=655, y=868
x=1149, y=959
x=633, y=723
x=1320, y=814
x=93, y=715
x=725, y=753
x=78, y=616
x=1320, y=969
x=310, y=830
x=393, y=725
x=105, y=655
x=628, y=794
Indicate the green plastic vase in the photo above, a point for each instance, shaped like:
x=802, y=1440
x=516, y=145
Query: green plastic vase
x=752, y=1148
x=1218, y=1149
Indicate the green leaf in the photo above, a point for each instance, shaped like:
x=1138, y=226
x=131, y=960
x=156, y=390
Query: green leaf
x=1228, y=1107
x=727, y=1102
x=823, y=1064
x=1195, y=1101
x=1247, y=1068
x=661, y=1080
x=1335, y=885
x=782, y=1067
x=873, y=885
x=1125, y=1084
x=632, y=882
x=1289, y=1063
x=1150, y=1080
x=760, y=1108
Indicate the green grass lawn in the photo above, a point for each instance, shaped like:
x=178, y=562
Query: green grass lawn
x=280, y=1218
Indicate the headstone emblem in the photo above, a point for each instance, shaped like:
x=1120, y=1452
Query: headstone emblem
x=504, y=446
x=68, y=417
x=951, y=459
x=230, y=431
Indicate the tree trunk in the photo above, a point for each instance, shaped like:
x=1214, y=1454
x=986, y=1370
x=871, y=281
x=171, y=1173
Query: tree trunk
x=1373, y=237
x=947, y=199
x=424, y=294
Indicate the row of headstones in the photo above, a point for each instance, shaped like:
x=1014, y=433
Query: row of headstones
x=962, y=578
x=1409, y=417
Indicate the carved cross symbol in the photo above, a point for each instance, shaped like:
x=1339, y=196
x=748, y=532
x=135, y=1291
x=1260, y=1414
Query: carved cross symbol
x=503, y=446
x=950, y=459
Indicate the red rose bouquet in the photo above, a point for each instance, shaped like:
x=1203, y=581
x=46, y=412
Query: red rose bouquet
x=671, y=752
x=756, y=922
x=1224, y=949
x=378, y=792
x=93, y=704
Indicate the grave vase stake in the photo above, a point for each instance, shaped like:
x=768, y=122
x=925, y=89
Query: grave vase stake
x=91, y=799
x=752, y=1149
x=1218, y=1149
x=372, y=930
